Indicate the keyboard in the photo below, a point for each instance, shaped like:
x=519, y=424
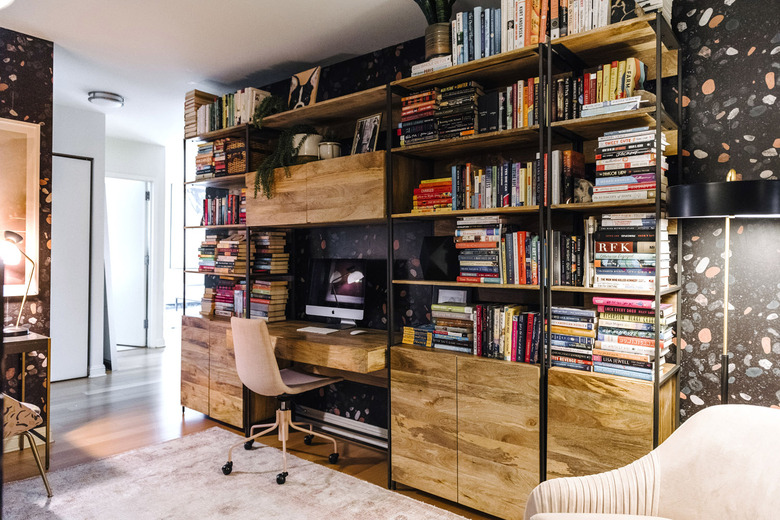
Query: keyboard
x=317, y=330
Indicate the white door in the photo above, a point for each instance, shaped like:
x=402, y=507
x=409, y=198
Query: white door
x=70, y=262
x=127, y=218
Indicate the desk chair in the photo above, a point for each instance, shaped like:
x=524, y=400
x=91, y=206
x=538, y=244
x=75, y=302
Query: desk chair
x=18, y=419
x=257, y=368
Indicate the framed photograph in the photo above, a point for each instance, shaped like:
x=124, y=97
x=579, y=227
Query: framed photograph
x=20, y=148
x=303, y=88
x=366, y=134
x=455, y=296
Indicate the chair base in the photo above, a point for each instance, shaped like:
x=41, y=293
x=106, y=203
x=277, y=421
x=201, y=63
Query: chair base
x=283, y=423
x=37, y=458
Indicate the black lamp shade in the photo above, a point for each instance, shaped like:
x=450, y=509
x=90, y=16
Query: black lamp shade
x=725, y=199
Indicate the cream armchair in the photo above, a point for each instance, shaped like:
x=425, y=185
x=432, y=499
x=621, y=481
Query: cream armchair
x=722, y=463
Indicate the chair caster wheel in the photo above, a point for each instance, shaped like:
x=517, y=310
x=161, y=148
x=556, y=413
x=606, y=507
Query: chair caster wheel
x=228, y=467
x=308, y=440
x=248, y=445
x=333, y=458
x=281, y=478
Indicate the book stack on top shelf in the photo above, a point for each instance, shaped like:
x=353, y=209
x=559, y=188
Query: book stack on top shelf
x=421, y=335
x=625, y=252
x=418, y=117
x=625, y=343
x=457, y=114
x=193, y=100
x=478, y=240
x=204, y=161
x=271, y=255
x=232, y=254
x=572, y=336
x=626, y=166
x=433, y=195
x=503, y=185
x=221, y=207
x=268, y=300
x=231, y=109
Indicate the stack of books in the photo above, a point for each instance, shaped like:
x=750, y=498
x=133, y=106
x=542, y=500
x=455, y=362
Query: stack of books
x=220, y=157
x=507, y=332
x=626, y=166
x=268, y=300
x=478, y=240
x=625, y=254
x=458, y=115
x=207, y=302
x=432, y=65
x=433, y=195
x=232, y=255
x=421, y=335
x=242, y=207
x=271, y=255
x=503, y=185
x=224, y=297
x=221, y=206
x=665, y=6
x=453, y=327
x=207, y=254
x=625, y=343
x=204, y=161
x=418, y=117
x=572, y=336
x=193, y=100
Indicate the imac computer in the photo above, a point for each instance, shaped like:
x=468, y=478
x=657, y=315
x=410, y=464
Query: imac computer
x=337, y=290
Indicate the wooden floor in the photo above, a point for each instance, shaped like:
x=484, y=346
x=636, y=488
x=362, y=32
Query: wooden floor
x=138, y=405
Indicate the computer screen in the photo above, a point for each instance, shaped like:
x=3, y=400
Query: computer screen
x=337, y=289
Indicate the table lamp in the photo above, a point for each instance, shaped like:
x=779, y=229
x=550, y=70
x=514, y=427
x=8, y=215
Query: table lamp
x=11, y=254
x=727, y=200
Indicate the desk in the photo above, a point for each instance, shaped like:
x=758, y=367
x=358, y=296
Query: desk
x=24, y=345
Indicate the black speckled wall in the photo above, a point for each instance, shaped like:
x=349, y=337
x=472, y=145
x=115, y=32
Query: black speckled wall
x=26, y=95
x=731, y=59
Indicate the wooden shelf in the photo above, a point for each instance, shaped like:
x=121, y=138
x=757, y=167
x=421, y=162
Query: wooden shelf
x=594, y=127
x=337, y=110
x=521, y=210
x=598, y=290
x=504, y=139
x=224, y=275
x=490, y=72
x=234, y=179
x=601, y=207
x=631, y=38
x=439, y=283
x=223, y=226
x=231, y=131
x=456, y=353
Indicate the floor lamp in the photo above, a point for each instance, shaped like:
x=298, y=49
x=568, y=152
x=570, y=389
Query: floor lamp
x=726, y=200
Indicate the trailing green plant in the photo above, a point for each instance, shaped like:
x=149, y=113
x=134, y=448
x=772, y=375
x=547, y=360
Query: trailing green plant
x=268, y=106
x=283, y=156
x=436, y=11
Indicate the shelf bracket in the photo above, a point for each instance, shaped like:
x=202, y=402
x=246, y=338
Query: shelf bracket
x=667, y=35
x=561, y=54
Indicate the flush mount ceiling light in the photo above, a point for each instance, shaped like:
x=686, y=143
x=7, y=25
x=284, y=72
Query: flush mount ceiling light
x=106, y=99
x=5, y=3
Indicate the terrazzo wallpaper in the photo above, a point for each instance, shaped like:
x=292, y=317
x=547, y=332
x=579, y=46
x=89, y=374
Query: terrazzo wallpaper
x=731, y=59
x=26, y=95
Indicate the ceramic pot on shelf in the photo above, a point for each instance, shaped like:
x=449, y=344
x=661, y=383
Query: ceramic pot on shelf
x=329, y=150
x=309, y=149
x=438, y=40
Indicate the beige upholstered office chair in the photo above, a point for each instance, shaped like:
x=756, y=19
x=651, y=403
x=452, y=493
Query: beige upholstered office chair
x=722, y=463
x=18, y=419
x=257, y=368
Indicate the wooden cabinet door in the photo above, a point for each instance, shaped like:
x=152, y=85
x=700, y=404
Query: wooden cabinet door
x=195, y=364
x=226, y=393
x=423, y=420
x=287, y=206
x=498, y=435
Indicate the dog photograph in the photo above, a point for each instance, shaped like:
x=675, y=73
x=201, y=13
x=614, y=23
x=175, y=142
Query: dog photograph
x=583, y=191
x=303, y=88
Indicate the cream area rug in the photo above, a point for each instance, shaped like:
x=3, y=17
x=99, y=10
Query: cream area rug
x=182, y=479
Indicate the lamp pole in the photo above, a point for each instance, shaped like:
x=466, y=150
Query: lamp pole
x=724, y=357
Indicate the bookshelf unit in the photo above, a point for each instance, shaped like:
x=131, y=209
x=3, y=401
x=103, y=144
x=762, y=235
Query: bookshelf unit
x=465, y=427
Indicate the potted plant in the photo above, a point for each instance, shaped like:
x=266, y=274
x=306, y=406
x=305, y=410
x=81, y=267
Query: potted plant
x=284, y=155
x=438, y=41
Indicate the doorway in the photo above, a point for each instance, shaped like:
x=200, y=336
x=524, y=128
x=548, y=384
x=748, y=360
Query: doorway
x=128, y=221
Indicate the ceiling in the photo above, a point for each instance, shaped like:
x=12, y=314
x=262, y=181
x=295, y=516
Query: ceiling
x=153, y=51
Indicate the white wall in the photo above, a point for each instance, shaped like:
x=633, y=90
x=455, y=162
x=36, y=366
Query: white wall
x=144, y=161
x=82, y=132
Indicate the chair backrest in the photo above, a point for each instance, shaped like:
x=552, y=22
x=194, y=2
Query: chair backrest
x=18, y=417
x=723, y=462
x=255, y=360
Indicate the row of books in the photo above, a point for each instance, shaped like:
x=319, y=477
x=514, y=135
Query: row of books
x=617, y=338
x=223, y=206
x=235, y=108
x=486, y=31
x=267, y=301
x=504, y=185
x=626, y=166
x=568, y=253
x=489, y=253
x=271, y=252
x=193, y=100
x=497, y=331
x=513, y=106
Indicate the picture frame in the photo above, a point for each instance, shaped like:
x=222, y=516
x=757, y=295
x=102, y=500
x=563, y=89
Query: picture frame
x=453, y=296
x=303, y=88
x=366, y=134
x=20, y=148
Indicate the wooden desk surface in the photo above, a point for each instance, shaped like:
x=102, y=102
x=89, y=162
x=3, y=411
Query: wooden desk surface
x=360, y=353
x=26, y=343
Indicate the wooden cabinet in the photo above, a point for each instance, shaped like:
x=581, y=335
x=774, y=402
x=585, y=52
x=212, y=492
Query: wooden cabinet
x=465, y=428
x=195, y=363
